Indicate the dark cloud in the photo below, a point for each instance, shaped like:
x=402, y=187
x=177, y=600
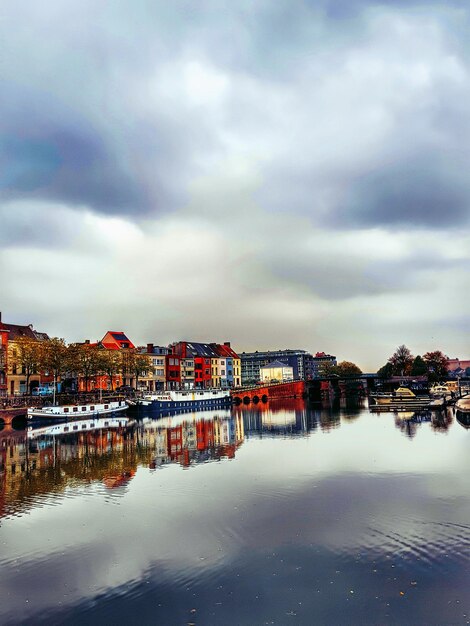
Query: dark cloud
x=425, y=192
x=52, y=152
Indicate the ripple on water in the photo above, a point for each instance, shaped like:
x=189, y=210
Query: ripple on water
x=437, y=545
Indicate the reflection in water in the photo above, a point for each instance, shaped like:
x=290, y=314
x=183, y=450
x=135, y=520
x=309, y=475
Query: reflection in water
x=286, y=418
x=49, y=459
x=272, y=513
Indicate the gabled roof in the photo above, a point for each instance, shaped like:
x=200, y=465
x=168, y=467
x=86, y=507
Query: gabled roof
x=223, y=350
x=199, y=349
x=118, y=337
x=15, y=331
x=274, y=364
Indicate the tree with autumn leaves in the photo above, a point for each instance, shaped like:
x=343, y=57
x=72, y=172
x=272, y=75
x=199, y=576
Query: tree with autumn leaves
x=403, y=363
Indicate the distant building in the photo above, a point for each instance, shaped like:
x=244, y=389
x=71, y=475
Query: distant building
x=320, y=360
x=229, y=365
x=3, y=359
x=276, y=371
x=252, y=362
x=208, y=364
x=155, y=378
x=458, y=367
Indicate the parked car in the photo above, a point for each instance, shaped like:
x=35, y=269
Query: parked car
x=42, y=391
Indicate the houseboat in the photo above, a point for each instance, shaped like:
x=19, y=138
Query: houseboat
x=187, y=399
x=77, y=411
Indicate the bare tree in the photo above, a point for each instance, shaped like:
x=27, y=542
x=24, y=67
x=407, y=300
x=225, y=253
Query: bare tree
x=402, y=361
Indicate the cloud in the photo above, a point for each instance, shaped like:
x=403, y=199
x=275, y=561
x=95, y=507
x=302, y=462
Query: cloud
x=245, y=171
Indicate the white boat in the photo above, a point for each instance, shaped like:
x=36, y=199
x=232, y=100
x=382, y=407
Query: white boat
x=77, y=411
x=78, y=426
x=188, y=398
x=401, y=395
x=463, y=404
x=442, y=390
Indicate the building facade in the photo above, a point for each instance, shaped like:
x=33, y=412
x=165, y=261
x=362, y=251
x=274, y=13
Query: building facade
x=276, y=371
x=252, y=362
x=319, y=361
x=13, y=375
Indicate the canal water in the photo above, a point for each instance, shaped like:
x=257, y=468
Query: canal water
x=273, y=514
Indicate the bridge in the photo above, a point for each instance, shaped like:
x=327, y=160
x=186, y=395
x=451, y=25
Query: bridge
x=8, y=415
x=268, y=391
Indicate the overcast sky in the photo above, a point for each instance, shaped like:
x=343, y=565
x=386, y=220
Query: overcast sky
x=276, y=173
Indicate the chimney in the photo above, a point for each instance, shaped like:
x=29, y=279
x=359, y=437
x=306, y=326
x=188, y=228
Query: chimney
x=227, y=343
x=0, y=317
x=150, y=347
x=87, y=341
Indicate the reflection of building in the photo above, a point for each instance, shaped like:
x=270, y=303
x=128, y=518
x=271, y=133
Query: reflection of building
x=34, y=465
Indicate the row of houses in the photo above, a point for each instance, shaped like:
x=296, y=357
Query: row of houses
x=182, y=364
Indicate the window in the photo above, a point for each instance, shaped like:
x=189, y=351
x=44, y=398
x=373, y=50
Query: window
x=75, y=409
x=83, y=408
x=92, y=408
x=66, y=410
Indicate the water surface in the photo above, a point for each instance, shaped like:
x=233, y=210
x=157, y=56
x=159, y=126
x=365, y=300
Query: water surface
x=274, y=514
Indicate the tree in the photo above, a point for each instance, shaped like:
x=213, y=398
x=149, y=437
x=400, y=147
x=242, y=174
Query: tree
x=327, y=369
x=29, y=356
x=88, y=361
x=135, y=364
x=402, y=361
x=436, y=363
x=386, y=371
x=346, y=369
x=419, y=367
x=55, y=357
x=111, y=364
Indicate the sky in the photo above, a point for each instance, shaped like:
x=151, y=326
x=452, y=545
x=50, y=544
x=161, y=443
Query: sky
x=288, y=174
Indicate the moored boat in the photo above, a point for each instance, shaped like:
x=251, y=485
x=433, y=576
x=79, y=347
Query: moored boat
x=402, y=394
x=402, y=398
x=442, y=390
x=463, y=404
x=187, y=398
x=77, y=411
